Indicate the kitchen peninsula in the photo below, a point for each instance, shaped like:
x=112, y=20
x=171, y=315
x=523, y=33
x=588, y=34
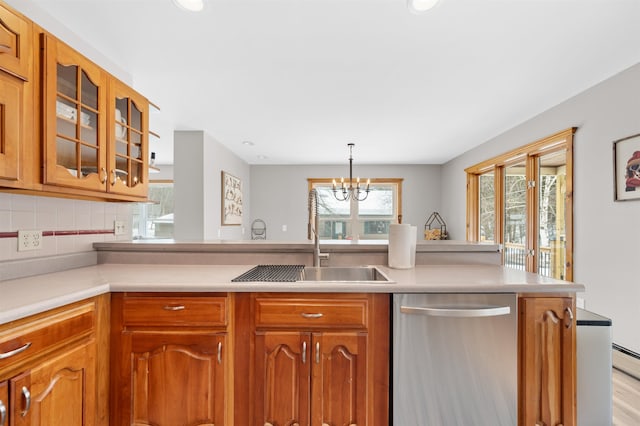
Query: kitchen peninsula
x=159, y=298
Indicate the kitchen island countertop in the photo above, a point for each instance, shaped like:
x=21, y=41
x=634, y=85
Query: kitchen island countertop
x=27, y=296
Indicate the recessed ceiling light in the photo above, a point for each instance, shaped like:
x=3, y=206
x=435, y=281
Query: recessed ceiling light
x=419, y=6
x=191, y=5
x=248, y=143
x=262, y=157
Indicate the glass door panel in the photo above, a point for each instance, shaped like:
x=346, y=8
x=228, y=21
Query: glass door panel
x=551, y=215
x=67, y=76
x=487, y=207
x=515, y=214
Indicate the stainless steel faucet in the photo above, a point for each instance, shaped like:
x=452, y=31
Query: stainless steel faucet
x=313, y=227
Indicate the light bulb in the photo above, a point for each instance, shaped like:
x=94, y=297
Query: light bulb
x=419, y=6
x=191, y=5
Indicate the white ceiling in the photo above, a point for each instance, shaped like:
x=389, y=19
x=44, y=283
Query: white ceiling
x=302, y=78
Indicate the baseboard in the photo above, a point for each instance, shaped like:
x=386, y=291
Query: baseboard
x=626, y=361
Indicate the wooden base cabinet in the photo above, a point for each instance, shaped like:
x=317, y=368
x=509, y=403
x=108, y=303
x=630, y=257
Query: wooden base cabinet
x=48, y=369
x=547, y=339
x=169, y=360
x=317, y=360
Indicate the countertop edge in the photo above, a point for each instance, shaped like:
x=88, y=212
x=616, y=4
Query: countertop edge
x=31, y=297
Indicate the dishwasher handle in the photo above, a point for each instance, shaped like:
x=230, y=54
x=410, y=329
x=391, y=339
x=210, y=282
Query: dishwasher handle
x=462, y=312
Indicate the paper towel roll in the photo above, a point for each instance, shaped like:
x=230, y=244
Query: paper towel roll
x=402, y=246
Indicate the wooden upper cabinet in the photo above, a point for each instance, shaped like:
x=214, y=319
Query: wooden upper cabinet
x=128, y=141
x=74, y=117
x=16, y=44
x=547, y=361
x=95, y=127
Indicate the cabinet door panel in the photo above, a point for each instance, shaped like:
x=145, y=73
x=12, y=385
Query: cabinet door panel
x=282, y=378
x=74, y=118
x=176, y=378
x=20, y=400
x=547, y=345
x=4, y=403
x=339, y=378
x=11, y=95
x=15, y=43
x=59, y=389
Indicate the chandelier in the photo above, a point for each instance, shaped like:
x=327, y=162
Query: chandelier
x=344, y=193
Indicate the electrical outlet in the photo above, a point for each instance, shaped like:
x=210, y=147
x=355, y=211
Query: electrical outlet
x=118, y=227
x=29, y=240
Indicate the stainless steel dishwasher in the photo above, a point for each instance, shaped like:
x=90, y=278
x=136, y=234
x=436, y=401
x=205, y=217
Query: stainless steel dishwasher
x=455, y=360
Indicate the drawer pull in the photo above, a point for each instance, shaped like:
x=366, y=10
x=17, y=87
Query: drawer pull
x=15, y=352
x=174, y=308
x=311, y=315
x=27, y=401
x=3, y=413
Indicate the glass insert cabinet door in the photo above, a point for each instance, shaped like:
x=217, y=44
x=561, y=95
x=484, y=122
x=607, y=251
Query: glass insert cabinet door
x=128, y=136
x=74, y=119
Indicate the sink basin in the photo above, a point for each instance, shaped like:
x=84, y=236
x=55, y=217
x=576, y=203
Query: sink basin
x=343, y=274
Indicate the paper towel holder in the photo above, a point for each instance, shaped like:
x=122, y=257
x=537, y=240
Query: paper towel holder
x=433, y=232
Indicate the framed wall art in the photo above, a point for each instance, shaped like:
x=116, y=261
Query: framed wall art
x=231, y=200
x=626, y=167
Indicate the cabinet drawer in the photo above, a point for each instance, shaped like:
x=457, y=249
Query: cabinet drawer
x=16, y=42
x=312, y=313
x=174, y=311
x=35, y=336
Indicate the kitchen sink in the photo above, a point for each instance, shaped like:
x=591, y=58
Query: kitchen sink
x=301, y=273
x=343, y=274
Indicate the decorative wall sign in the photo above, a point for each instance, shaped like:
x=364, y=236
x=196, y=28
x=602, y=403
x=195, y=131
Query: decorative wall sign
x=626, y=166
x=231, y=200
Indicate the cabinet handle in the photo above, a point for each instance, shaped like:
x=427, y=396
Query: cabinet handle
x=219, y=354
x=311, y=315
x=173, y=307
x=114, y=177
x=304, y=352
x=3, y=413
x=27, y=401
x=4, y=49
x=103, y=179
x=570, y=313
x=267, y=424
x=317, y=352
x=15, y=352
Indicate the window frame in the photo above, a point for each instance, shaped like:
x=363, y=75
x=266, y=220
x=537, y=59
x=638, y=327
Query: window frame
x=530, y=154
x=397, y=182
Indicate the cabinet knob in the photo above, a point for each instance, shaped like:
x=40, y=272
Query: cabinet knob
x=3, y=413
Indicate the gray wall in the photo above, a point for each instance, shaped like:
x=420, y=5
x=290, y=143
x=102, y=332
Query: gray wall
x=606, y=233
x=198, y=163
x=279, y=194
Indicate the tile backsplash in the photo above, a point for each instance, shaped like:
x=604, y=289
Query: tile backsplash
x=69, y=226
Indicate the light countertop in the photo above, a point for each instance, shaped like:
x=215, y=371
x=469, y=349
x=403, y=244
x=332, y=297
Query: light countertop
x=27, y=296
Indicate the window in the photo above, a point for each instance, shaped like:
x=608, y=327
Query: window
x=154, y=219
x=523, y=201
x=369, y=218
